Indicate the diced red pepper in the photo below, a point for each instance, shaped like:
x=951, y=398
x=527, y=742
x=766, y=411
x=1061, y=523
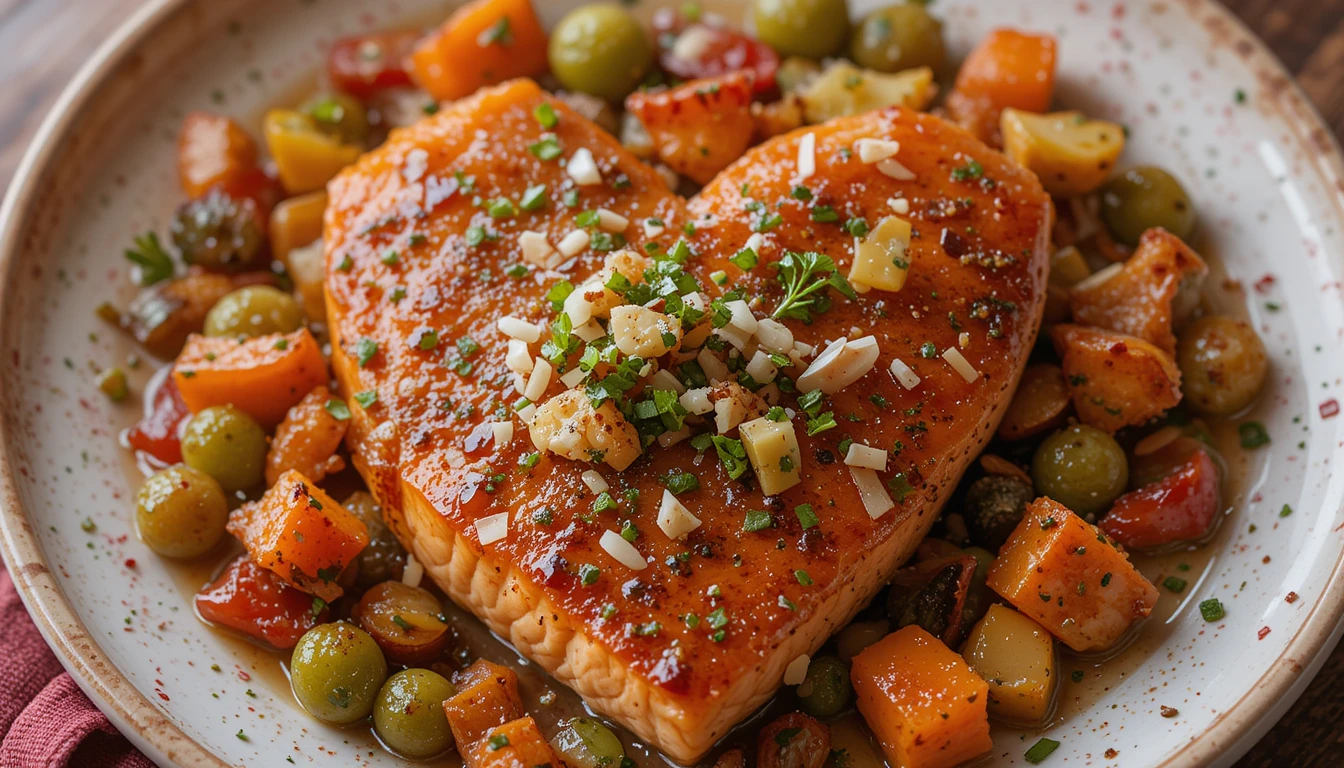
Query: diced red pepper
x=157, y=431
x=1179, y=507
x=254, y=601
x=361, y=66
x=722, y=51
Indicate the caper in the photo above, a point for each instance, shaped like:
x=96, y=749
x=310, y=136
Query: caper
x=220, y=232
x=340, y=115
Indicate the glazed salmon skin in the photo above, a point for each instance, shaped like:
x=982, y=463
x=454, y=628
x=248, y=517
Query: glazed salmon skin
x=683, y=649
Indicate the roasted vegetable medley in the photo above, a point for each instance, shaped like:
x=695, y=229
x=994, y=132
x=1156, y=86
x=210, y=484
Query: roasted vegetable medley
x=1104, y=452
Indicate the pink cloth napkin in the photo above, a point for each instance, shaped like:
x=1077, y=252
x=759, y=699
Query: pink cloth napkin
x=46, y=720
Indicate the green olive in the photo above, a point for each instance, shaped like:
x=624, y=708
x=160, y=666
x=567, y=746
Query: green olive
x=226, y=444
x=811, y=28
x=898, y=37
x=1223, y=365
x=409, y=716
x=1080, y=467
x=826, y=690
x=600, y=49
x=181, y=512
x=586, y=743
x=220, y=232
x=859, y=635
x=256, y=310
x=1146, y=197
x=336, y=672
x=383, y=559
x=340, y=115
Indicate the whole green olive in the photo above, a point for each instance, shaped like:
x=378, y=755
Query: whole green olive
x=1142, y=198
x=256, y=310
x=220, y=232
x=226, y=444
x=1223, y=365
x=859, y=635
x=600, y=49
x=810, y=28
x=336, y=671
x=898, y=37
x=826, y=689
x=181, y=512
x=1080, y=467
x=408, y=715
x=340, y=115
x=587, y=743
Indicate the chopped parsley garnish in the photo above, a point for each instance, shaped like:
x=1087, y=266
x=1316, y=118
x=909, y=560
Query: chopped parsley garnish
x=500, y=32
x=1212, y=609
x=501, y=208
x=546, y=116
x=928, y=350
x=548, y=148
x=154, y=262
x=1174, y=584
x=803, y=578
x=805, y=277
x=858, y=227
x=971, y=170
x=1286, y=511
x=732, y=454
x=757, y=520
x=824, y=214
x=534, y=198
x=589, y=574
x=745, y=259
x=365, y=349
x=499, y=740
x=679, y=482
x=366, y=398
x=806, y=516
x=1041, y=750
x=338, y=409
x=558, y=293
x=1252, y=434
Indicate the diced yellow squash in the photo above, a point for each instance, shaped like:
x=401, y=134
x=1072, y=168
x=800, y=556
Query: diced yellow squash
x=772, y=449
x=305, y=157
x=1016, y=657
x=1147, y=295
x=880, y=259
x=1071, y=578
x=515, y=744
x=296, y=222
x=1115, y=380
x=844, y=89
x=1069, y=153
x=487, y=697
x=924, y=704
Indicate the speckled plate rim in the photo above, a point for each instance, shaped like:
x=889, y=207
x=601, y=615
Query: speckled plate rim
x=1232, y=733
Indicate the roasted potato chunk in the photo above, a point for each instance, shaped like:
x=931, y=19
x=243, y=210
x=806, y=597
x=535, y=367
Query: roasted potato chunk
x=1115, y=380
x=1069, y=153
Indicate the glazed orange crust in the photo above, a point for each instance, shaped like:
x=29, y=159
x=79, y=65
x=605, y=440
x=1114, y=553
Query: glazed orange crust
x=681, y=686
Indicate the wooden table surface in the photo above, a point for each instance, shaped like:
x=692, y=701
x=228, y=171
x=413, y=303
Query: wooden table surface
x=46, y=40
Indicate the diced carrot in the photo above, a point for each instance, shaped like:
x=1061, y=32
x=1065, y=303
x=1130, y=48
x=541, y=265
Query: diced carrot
x=300, y=534
x=256, y=602
x=482, y=43
x=516, y=744
x=927, y=708
x=212, y=149
x=1071, y=578
x=1179, y=507
x=1007, y=69
x=487, y=697
x=308, y=438
x=264, y=376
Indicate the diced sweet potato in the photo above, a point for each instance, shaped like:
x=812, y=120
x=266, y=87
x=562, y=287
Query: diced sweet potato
x=1115, y=380
x=211, y=150
x=1071, y=578
x=1016, y=656
x=515, y=744
x=925, y=705
x=700, y=127
x=487, y=697
x=301, y=534
x=308, y=438
x=1007, y=69
x=482, y=43
x=264, y=376
x=1147, y=295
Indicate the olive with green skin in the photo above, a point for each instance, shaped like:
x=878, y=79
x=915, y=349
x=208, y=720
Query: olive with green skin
x=256, y=310
x=898, y=37
x=409, y=715
x=336, y=671
x=220, y=232
x=1223, y=365
x=826, y=689
x=1142, y=198
x=811, y=28
x=181, y=512
x=600, y=49
x=227, y=444
x=340, y=115
x=586, y=743
x=1080, y=467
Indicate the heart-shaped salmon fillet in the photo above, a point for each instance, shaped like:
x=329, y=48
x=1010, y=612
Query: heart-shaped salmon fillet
x=419, y=271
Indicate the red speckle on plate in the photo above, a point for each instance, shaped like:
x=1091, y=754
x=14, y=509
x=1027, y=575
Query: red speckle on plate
x=130, y=562
x=242, y=675
x=1290, y=598
x=1264, y=284
x=1330, y=409
x=1263, y=633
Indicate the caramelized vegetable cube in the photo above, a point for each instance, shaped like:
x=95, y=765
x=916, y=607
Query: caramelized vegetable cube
x=698, y=128
x=305, y=157
x=844, y=89
x=1007, y=69
x=212, y=150
x=1115, y=380
x=1180, y=507
x=1016, y=656
x=1067, y=575
x=308, y=438
x=487, y=697
x=926, y=707
x=482, y=43
x=515, y=744
x=297, y=222
x=1069, y=153
x=263, y=376
x=301, y=534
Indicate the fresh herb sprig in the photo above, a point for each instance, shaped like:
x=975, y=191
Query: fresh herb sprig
x=805, y=277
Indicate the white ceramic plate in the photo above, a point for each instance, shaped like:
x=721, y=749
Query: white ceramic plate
x=1201, y=97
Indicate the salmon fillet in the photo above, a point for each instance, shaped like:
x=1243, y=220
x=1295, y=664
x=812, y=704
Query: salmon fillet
x=685, y=648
